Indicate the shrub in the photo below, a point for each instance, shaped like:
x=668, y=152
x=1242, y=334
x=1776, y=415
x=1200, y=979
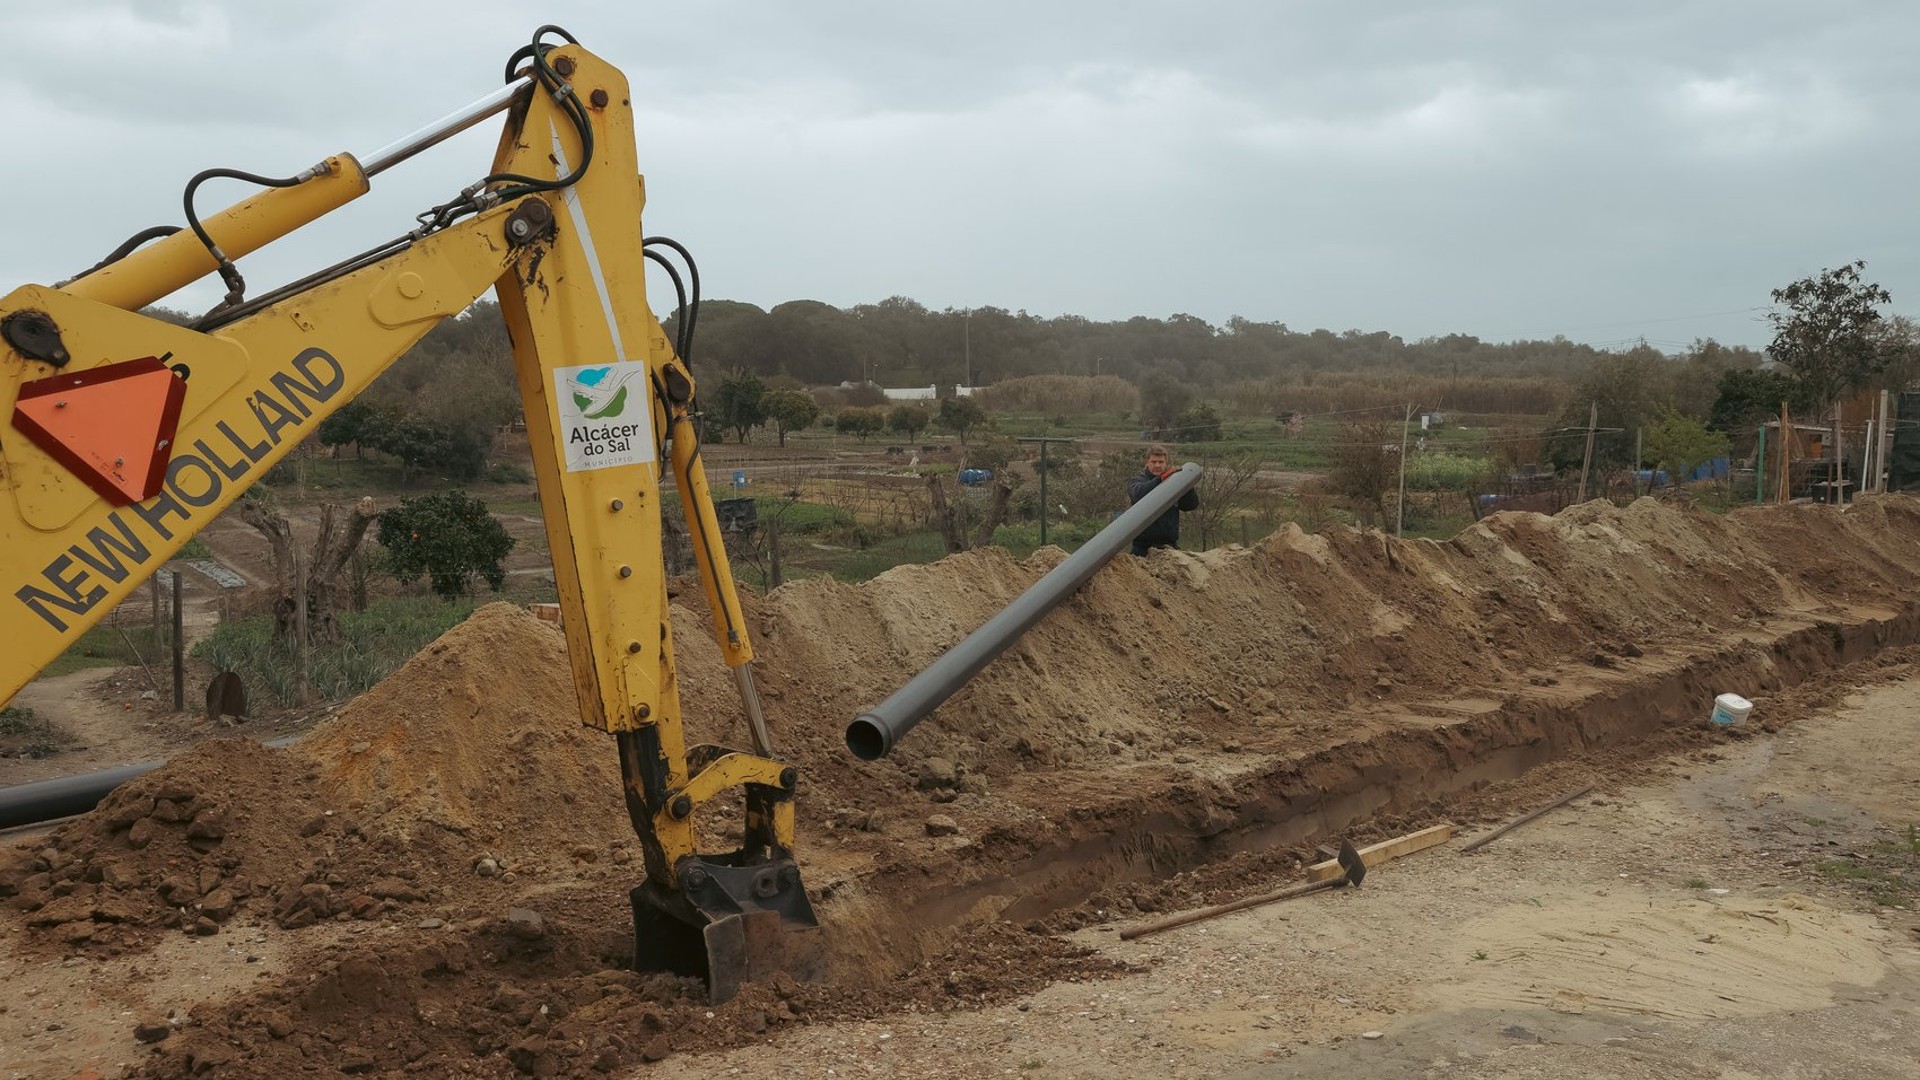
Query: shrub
x=447, y=536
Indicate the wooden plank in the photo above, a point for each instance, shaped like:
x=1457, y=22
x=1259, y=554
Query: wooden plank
x=1375, y=854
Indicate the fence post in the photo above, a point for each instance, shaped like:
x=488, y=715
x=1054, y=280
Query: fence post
x=773, y=552
x=179, y=647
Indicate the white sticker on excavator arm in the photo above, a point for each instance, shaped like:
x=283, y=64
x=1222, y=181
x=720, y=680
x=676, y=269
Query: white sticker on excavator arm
x=606, y=415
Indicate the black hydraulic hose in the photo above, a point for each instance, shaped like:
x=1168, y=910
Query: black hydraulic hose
x=680, y=296
x=874, y=732
x=229, y=273
x=132, y=243
x=692, y=308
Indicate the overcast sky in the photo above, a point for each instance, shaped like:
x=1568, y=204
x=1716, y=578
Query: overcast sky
x=1513, y=168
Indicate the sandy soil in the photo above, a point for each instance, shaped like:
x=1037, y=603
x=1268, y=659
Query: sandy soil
x=433, y=882
x=1657, y=930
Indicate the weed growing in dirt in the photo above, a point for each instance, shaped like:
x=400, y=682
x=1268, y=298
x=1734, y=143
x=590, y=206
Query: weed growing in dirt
x=27, y=735
x=1480, y=954
x=1907, y=845
x=1816, y=822
x=1696, y=883
x=16, y=720
x=372, y=644
x=1884, y=888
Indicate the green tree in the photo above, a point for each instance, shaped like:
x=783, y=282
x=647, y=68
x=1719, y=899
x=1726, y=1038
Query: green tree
x=457, y=452
x=1745, y=398
x=1630, y=388
x=860, y=423
x=790, y=410
x=348, y=426
x=1163, y=397
x=1827, y=333
x=447, y=536
x=1680, y=444
x=1197, y=424
x=961, y=415
x=740, y=402
x=909, y=420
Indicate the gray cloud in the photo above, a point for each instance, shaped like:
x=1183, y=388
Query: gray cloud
x=1503, y=169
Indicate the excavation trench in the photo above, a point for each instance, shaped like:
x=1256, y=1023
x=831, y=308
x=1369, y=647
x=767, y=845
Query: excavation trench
x=1155, y=823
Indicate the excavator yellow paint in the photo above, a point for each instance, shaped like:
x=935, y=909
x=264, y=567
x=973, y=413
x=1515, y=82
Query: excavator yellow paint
x=608, y=410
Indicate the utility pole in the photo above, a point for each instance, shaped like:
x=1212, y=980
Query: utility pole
x=1400, y=511
x=1043, y=440
x=1586, y=462
x=966, y=344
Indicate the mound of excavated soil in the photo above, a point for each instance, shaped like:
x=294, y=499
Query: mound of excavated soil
x=471, y=755
x=471, y=837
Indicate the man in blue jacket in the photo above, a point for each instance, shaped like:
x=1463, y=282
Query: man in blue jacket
x=1165, y=530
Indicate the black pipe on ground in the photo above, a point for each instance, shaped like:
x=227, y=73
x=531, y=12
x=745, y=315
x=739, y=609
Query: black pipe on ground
x=64, y=796
x=874, y=732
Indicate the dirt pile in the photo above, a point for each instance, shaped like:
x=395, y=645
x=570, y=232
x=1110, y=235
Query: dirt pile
x=1183, y=652
x=458, y=843
x=468, y=763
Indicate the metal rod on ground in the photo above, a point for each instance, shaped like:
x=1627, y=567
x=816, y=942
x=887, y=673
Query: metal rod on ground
x=179, y=649
x=1474, y=845
x=874, y=732
x=1350, y=860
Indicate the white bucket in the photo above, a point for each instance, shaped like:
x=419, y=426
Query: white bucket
x=1730, y=709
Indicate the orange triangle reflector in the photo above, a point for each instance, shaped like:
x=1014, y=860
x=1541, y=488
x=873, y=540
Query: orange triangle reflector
x=112, y=426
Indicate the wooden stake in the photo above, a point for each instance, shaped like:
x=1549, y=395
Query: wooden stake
x=1375, y=854
x=1475, y=845
x=1586, y=462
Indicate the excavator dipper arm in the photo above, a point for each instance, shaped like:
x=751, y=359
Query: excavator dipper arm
x=128, y=434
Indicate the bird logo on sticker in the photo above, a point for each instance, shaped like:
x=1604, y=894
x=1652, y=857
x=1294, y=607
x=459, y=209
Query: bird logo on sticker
x=599, y=393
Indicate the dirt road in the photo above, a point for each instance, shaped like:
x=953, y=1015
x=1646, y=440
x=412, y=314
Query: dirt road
x=1677, y=929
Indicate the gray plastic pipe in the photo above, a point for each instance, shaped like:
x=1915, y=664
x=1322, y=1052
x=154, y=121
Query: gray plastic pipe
x=874, y=732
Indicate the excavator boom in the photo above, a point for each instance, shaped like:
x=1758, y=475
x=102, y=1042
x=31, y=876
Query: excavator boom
x=127, y=435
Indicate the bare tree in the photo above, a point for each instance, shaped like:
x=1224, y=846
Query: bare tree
x=315, y=576
x=951, y=518
x=1365, y=464
x=1226, y=488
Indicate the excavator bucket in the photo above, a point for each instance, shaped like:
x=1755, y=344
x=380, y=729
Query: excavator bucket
x=733, y=925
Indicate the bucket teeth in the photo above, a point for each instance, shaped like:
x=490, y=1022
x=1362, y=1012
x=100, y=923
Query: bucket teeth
x=732, y=925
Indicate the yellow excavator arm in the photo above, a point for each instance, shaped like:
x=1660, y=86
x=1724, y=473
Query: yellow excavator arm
x=129, y=434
